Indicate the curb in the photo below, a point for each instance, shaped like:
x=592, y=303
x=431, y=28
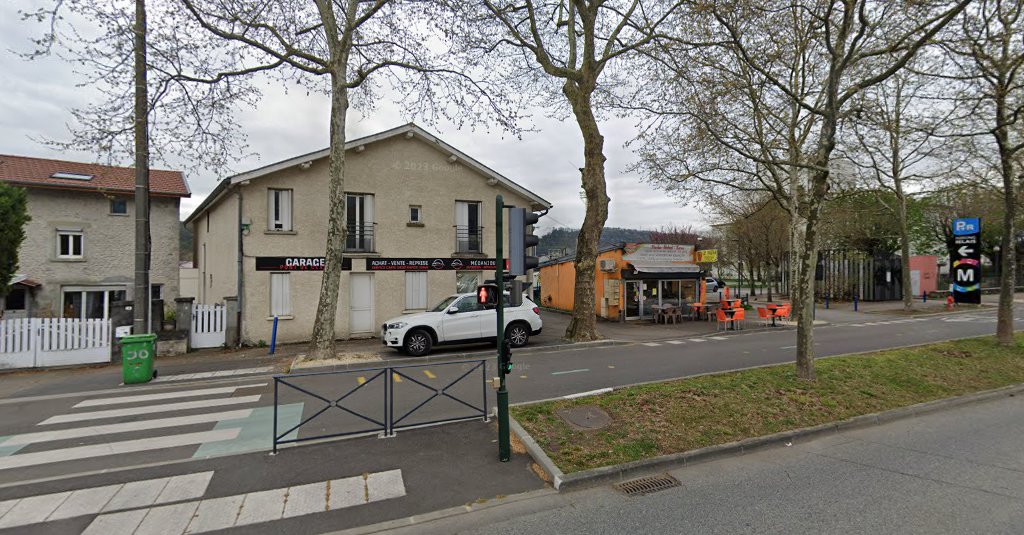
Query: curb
x=608, y=474
x=383, y=362
x=442, y=514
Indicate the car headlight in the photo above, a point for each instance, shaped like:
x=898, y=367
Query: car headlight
x=397, y=325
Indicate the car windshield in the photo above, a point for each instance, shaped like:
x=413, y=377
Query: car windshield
x=443, y=305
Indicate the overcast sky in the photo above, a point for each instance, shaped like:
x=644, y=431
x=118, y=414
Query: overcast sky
x=36, y=98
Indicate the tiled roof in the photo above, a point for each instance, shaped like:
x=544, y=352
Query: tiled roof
x=39, y=172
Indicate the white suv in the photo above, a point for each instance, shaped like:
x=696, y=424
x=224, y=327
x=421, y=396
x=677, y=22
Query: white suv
x=459, y=319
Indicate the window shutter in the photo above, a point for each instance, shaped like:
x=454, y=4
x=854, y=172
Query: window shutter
x=286, y=209
x=271, y=194
x=415, y=290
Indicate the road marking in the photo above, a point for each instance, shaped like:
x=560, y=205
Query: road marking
x=114, y=448
x=429, y=374
x=109, y=429
x=208, y=375
x=166, y=395
x=588, y=393
x=361, y=380
x=130, y=411
x=254, y=507
x=697, y=340
x=522, y=377
x=717, y=338
x=611, y=367
x=788, y=347
x=676, y=342
x=570, y=371
x=109, y=498
x=651, y=344
x=396, y=377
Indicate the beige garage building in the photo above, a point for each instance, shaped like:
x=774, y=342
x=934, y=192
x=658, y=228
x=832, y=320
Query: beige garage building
x=420, y=227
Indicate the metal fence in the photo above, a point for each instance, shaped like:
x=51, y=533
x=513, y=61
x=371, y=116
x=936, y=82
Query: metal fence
x=377, y=400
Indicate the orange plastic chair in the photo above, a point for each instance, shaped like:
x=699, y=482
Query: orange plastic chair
x=739, y=316
x=783, y=311
x=722, y=318
x=764, y=315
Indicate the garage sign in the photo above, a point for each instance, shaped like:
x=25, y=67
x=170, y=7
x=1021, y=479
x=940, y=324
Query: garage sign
x=430, y=264
x=296, y=263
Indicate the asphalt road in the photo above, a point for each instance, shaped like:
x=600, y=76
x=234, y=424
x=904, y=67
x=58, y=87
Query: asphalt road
x=955, y=471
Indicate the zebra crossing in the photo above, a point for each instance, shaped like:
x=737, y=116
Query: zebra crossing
x=108, y=431
x=697, y=340
x=177, y=505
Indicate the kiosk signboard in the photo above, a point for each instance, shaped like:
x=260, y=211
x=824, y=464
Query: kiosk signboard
x=965, y=260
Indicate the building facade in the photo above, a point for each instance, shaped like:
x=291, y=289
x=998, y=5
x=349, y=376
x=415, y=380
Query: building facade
x=78, y=254
x=420, y=226
x=630, y=280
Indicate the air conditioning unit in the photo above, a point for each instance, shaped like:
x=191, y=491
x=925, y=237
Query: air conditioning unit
x=607, y=265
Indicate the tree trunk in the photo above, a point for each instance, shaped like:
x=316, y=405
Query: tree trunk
x=322, y=343
x=1008, y=259
x=805, y=299
x=141, y=307
x=908, y=288
x=583, y=325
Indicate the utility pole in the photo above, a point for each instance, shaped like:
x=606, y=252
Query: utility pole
x=140, y=299
x=504, y=443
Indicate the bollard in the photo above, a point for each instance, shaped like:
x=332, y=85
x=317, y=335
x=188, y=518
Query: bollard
x=826, y=301
x=855, y=301
x=273, y=337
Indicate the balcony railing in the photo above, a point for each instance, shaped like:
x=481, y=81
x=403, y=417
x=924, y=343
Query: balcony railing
x=359, y=238
x=469, y=239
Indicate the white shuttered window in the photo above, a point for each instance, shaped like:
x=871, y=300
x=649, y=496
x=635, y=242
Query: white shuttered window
x=280, y=294
x=279, y=209
x=415, y=290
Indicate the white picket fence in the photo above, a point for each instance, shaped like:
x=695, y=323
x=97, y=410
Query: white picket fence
x=209, y=324
x=45, y=342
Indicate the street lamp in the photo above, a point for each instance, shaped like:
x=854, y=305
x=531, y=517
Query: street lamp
x=995, y=250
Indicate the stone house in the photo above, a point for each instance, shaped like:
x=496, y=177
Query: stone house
x=420, y=216
x=78, y=253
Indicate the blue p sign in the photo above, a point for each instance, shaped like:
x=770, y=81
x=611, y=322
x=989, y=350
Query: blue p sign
x=965, y=226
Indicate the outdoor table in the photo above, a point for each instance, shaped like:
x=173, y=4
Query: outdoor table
x=730, y=313
x=698, y=309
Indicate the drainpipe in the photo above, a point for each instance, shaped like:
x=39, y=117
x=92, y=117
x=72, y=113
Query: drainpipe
x=240, y=284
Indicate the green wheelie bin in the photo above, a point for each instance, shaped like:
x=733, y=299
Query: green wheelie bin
x=137, y=354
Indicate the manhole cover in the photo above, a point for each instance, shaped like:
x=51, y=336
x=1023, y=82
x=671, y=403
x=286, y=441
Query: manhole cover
x=585, y=418
x=647, y=485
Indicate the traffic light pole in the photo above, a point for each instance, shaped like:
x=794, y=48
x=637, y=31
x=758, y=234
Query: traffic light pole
x=504, y=444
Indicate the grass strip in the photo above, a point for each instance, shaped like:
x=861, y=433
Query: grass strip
x=687, y=414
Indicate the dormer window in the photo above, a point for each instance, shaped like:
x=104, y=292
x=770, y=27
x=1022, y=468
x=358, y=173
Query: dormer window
x=71, y=176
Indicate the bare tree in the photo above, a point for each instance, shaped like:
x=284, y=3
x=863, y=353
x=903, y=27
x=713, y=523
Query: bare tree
x=894, y=152
x=568, y=52
x=348, y=43
x=986, y=55
x=810, y=57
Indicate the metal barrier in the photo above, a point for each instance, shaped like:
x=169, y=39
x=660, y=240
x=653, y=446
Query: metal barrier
x=384, y=378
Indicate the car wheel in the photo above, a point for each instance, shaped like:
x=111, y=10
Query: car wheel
x=518, y=335
x=418, y=343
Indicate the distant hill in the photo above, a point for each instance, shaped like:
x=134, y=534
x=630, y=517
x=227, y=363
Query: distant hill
x=562, y=241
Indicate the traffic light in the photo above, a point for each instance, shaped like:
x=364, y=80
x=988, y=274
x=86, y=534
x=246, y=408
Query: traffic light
x=515, y=293
x=505, y=362
x=487, y=295
x=520, y=239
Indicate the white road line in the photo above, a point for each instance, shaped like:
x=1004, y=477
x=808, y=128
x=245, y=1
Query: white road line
x=588, y=393
x=208, y=375
x=651, y=344
x=115, y=448
x=571, y=371
x=109, y=429
x=717, y=338
x=165, y=395
x=676, y=342
x=697, y=340
x=254, y=507
x=109, y=498
x=788, y=347
x=129, y=411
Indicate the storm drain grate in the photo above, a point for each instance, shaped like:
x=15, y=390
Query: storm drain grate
x=647, y=485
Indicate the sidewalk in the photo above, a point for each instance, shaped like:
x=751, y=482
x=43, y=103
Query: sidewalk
x=955, y=471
